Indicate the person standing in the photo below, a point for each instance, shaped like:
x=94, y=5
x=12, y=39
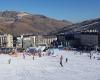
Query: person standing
x=66, y=59
x=33, y=56
x=61, y=59
x=39, y=52
x=9, y=61
x=24, y=54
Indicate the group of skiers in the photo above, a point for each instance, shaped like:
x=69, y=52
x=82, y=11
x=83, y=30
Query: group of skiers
x=39, y=54
x=24, y=56
x=33, y=54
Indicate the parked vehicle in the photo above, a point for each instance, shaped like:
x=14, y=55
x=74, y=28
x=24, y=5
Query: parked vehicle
x=31, y=50
x=6, y=50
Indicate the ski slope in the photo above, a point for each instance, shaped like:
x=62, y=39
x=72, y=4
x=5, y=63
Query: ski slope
x=79, y=67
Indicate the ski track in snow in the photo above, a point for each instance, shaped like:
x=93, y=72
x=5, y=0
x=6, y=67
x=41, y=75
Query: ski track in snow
x=78, y=67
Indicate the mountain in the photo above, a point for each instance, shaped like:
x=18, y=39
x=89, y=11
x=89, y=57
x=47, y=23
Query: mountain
x=93, y=24
x=24, y=23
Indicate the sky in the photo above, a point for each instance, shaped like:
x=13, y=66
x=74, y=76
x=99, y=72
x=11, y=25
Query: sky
x=71, y=10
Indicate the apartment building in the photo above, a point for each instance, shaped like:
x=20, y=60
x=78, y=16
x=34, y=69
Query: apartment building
x=6, y=40
x=45, y=40
x=82, y=38
x=35, y=40
x=90, y=38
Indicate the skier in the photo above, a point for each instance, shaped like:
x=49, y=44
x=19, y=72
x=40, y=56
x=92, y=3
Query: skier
x=61, y=58
x=24, y=55
x=9, y=61
x=33, y=56
x=49, y=53
x=90, y=55
x=39, y=52
x=66, y=60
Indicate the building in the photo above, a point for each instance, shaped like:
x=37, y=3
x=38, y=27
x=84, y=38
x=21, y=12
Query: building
x=90, y=38
x=67, y=39
x=29, y=40
x=6, y=40
x=85, y=38
x=25, y=41
x=48, y=39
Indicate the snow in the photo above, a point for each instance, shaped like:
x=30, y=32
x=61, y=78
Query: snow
x=78, y=67
x=40, y=48
x=22, y=14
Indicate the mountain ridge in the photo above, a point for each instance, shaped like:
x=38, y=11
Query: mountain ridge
x=92, y=24
x=17, y=23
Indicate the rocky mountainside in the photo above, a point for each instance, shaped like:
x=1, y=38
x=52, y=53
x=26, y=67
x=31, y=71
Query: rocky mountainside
x=93, y=24
x=22, y=23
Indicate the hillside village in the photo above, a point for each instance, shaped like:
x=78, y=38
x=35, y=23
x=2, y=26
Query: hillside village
x=84, y=35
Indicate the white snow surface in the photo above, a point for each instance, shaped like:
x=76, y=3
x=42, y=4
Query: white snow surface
x=78, y=67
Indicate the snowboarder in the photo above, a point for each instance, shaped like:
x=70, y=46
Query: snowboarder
x=61, y=58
